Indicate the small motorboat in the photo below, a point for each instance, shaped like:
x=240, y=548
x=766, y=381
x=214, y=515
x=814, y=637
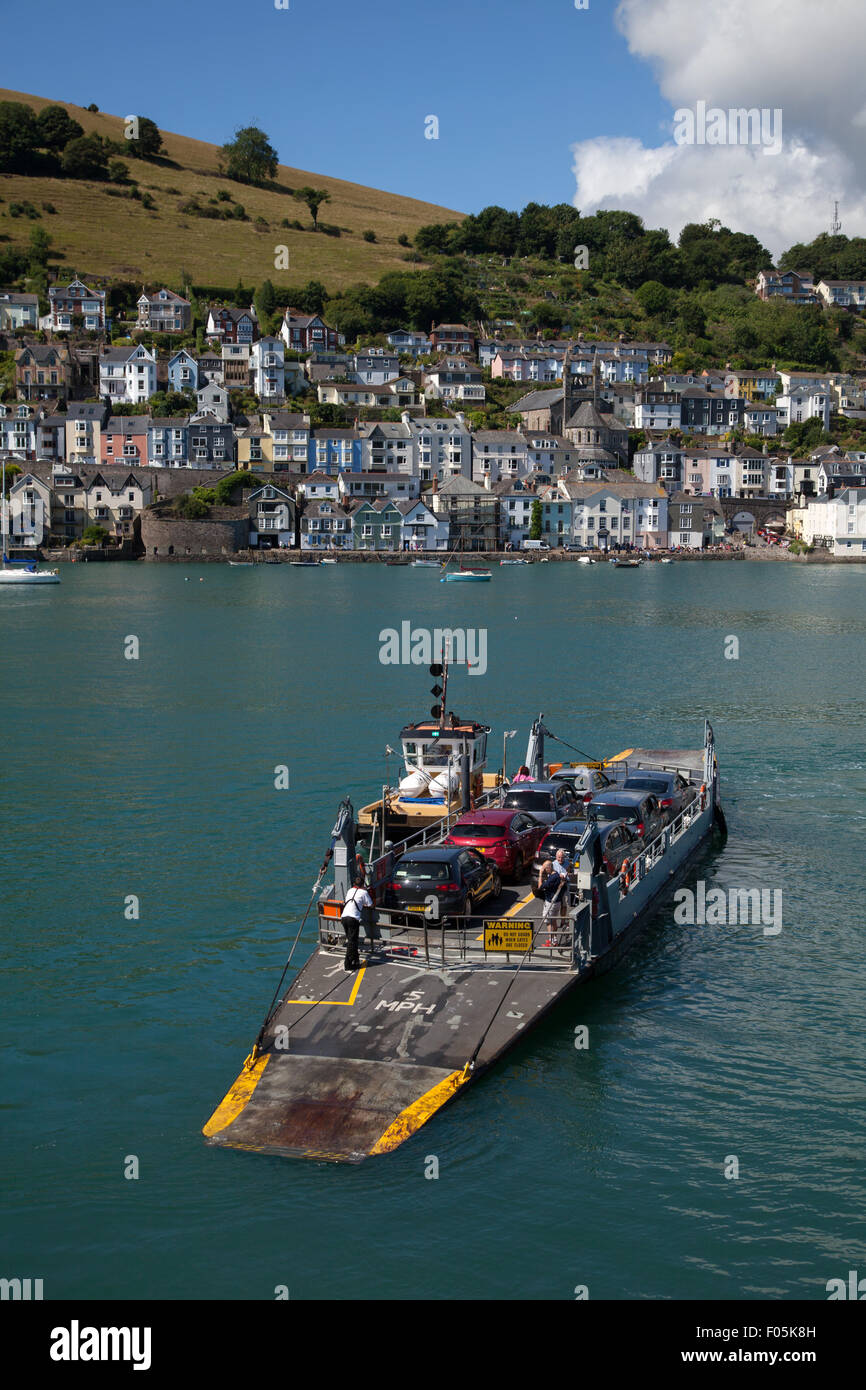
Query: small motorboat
x=454, y=576
x=627, y=564
x=242, y=564
x=585, y=560
x=514, y=562
x=305, y=564
x=666, y=560
x=328, y=560
x=426, y=565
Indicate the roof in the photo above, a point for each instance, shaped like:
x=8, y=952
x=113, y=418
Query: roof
x=536, y=400
x=127, y=424
x=588, y=416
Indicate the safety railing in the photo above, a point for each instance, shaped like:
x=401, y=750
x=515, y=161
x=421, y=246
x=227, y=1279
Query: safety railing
x=379, y=869
x=656, y=849
x=416, y=939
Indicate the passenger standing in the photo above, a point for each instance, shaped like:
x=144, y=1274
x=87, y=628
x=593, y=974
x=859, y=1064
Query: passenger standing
x=357, y=899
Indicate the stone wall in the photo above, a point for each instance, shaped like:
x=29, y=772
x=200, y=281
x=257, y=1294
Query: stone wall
x=169, y=537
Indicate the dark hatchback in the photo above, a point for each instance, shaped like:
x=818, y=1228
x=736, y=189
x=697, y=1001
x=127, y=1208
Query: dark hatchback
x=546, y=801
x=616, y=842
x=455, y=878
x=671, y=788
x=638, y=809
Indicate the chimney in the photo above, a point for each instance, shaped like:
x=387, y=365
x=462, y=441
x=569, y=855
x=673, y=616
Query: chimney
x=435, y=487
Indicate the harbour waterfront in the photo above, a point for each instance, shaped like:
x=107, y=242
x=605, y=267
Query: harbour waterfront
x=602, y=1167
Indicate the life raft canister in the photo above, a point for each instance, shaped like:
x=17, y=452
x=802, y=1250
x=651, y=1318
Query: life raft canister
x=624, y=876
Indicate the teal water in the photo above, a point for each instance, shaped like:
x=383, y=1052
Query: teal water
x=155, y=777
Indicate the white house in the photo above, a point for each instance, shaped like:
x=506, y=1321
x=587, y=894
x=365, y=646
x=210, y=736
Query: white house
x=76, y=300
x=804, y=403
x=443, y=447
x=498, y=454
x=272, y=518
x=408, y=343
x=127, y=374
x=838, y=522
x=267, y=369
x=423, y=529
x=844, y=294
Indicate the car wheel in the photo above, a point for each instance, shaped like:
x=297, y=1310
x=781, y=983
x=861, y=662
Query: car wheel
x=497, y=885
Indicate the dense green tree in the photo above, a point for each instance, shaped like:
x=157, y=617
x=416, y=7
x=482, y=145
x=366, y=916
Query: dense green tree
x=249, y=158
x=85, y=158
x=55, y=128
x=535, y=519
x=653, y=297
x=40, y=245
x=19, y=138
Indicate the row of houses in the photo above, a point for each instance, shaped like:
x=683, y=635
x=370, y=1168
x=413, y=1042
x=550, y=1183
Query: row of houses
x=718, y=472
x=799, y=287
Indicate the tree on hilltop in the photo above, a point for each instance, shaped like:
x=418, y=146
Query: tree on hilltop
x=249, y=158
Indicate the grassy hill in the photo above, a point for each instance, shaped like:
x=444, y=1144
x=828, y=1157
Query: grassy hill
x=97, y=233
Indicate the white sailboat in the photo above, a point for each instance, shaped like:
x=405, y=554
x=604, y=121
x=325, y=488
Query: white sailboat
x=19, y=572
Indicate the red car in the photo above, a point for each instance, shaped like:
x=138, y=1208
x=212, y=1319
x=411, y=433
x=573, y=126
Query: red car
x=509, y=838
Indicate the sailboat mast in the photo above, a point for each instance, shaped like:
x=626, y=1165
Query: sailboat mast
x=444, y=688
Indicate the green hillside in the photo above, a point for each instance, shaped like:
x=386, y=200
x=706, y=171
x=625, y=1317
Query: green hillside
x=98, y=229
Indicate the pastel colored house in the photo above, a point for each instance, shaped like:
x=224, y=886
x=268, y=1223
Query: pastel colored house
x=267, y=369
x=18, y=311
x=168, y=442
x=183, y=372
x=325, y=525
x=84, y=422
x=378, y=525
x=335, y=450
x=28, y=512
x=124, y=440
x=291, y=441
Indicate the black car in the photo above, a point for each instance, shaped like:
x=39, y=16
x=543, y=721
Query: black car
x=445, y=880
x=616, y=841
x=638, y=809
x=672, y=789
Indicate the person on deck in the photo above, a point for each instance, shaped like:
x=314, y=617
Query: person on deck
x=357, y=899
x=522, y=774
x=553, y=882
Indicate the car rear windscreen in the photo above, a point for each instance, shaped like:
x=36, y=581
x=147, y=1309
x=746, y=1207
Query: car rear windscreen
x=422, y=870
x=558, y=841
x=606, y=810
x=646, y=784
x=479, y=832
x=529, y=801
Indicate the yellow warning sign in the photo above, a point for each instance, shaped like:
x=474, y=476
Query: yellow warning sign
x=508, y=935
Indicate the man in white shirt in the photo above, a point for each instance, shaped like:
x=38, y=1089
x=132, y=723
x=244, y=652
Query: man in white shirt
x=357, y=899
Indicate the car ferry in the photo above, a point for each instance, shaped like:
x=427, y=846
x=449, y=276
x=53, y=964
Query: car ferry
x=351, y=1063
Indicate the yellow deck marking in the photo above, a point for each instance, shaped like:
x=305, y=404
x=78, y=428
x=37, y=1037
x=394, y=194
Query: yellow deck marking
x=235, y=1101
x=337, y=1003
x=417, y=1114
x=619, y=756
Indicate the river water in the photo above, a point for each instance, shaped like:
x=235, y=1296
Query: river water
x=712, y=1049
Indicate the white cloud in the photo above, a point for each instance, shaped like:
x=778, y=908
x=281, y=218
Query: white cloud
x=764, y=53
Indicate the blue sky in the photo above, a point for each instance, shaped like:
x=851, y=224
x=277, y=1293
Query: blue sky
x=536, y=100
x=343, y=88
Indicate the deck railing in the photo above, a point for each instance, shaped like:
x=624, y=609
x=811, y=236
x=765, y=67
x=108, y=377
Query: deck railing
x=460, y=941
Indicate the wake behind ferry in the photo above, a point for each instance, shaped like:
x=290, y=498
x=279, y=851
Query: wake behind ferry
x=350, y=1063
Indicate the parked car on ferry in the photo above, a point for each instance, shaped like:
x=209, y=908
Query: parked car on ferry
x=546, y=801
x=457, y=878
x=585, y=781
x=638, y=809
x=671, y=788
x=616, y=841
x=508, y=838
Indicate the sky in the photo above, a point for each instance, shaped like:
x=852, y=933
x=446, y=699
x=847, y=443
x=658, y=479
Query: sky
x=536, y=100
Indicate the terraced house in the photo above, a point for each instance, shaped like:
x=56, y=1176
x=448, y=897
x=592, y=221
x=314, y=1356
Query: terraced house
x=168, y=442
x=124, y=440
x=325, y=525
x=378, y=525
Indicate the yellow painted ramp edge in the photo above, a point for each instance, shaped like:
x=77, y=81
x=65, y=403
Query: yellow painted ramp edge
x=237, y=1098
x=418, y=1113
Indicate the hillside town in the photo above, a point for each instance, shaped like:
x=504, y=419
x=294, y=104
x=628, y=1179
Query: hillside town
x=608, y=449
